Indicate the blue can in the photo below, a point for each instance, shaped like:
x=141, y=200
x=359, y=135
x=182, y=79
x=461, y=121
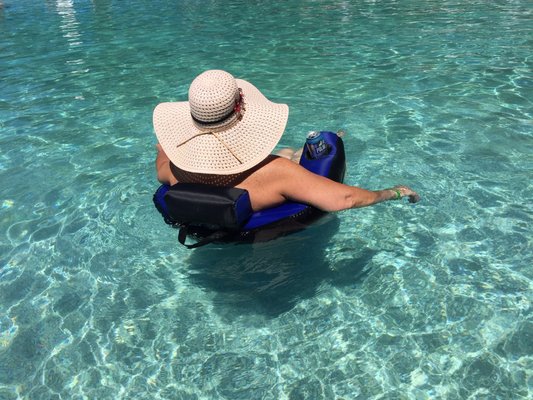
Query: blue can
x=316, y=145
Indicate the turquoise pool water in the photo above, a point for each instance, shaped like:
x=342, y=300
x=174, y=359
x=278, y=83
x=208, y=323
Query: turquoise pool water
x=431, y=301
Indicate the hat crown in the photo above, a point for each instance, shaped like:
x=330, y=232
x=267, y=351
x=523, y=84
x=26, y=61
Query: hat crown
x=212, y=96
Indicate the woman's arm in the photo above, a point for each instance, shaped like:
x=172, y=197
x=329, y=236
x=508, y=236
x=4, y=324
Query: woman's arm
x=162, y=165
x=301, y=185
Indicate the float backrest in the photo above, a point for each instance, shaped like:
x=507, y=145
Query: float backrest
x=198, y=204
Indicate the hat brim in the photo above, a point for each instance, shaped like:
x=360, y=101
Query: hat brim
x=236, y=149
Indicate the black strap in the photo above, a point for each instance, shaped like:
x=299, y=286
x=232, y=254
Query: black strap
x=184, y=230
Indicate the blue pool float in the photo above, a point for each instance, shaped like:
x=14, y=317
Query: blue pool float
x=217, y=214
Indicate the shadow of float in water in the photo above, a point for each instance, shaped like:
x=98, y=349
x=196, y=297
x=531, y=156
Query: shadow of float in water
x=271, y=278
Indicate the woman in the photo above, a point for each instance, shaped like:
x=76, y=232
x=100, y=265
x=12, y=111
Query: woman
x=224, y=136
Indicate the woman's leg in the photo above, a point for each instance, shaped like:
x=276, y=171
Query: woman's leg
x=291, y=154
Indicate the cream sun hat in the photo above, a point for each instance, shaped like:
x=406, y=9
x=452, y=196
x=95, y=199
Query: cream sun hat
x=228, y=126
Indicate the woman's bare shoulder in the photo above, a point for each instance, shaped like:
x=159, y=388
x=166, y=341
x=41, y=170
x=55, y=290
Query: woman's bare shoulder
x=278, y=169
x=296, y=183
x=280, y=179
x=271, y=168
x=284, y=176
x=264, y=183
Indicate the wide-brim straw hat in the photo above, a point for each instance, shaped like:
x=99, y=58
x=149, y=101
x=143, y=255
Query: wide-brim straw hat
x=228, y=126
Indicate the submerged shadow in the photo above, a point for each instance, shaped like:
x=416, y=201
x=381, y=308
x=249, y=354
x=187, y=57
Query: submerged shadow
x=271, y=278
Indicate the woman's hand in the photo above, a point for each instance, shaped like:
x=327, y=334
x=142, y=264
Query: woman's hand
x=403, y=191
